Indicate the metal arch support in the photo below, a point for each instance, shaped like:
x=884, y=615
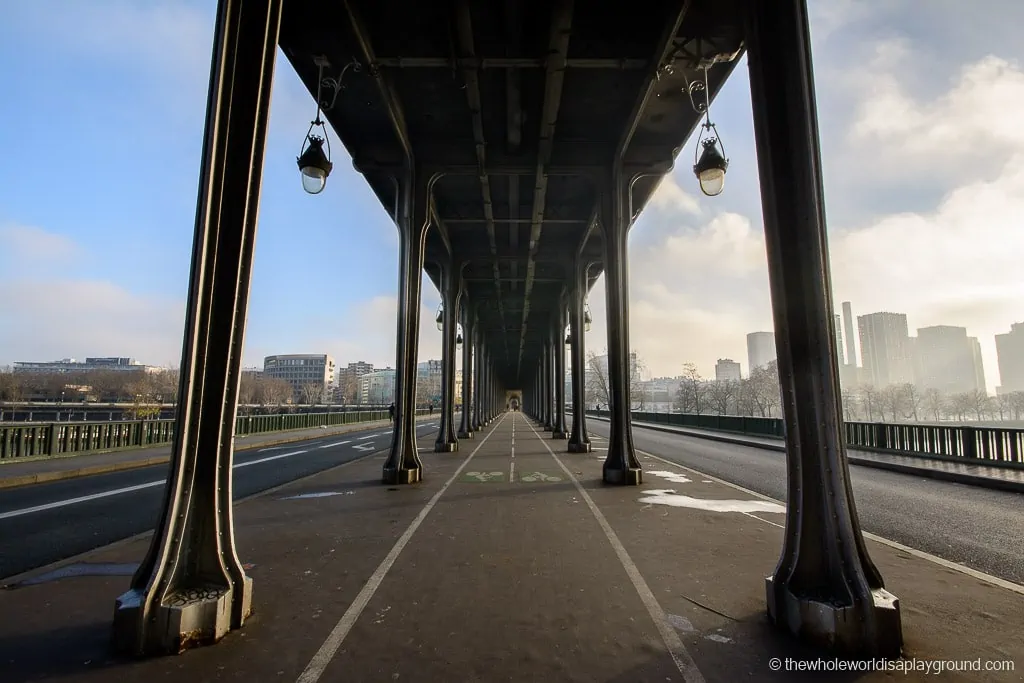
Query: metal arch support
x=468, y=332
x=579, y=441
x=559, y=430
x=403, y=464
x=621, y=465
x=825, y=588
x=451, y=292
x=190, y=588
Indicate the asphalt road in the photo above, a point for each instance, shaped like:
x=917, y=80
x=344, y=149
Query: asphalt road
x=980, y=528
x=44, y=523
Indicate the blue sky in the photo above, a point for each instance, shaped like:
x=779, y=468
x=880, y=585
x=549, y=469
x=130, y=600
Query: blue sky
x=102, y=136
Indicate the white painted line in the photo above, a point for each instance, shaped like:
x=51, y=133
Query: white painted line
x=365, y=447
x=315, y=669
x=683, y=661
x=80, y=499
x=511, y=471
x=273, y=448
x=127, y=489
x=368, y=436
x=963, y=569
x=269, y=458
x=332, y=445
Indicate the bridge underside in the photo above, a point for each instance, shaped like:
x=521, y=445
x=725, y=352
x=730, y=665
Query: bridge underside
x=514, y=143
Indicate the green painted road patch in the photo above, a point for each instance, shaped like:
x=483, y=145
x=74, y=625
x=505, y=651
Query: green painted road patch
x=493, y=477
x=539, y=478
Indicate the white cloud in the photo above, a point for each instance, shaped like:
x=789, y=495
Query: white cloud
x=701, y=284
x=49, y=319
x=24, y=245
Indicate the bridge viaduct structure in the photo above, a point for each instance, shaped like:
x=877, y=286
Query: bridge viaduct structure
x=514, y=144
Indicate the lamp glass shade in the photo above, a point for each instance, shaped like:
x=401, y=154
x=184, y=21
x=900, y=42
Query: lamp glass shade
x=314, y=166
x=712, y=181
x=313, y=179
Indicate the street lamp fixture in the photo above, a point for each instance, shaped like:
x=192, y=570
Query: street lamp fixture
x=458, y=336
x=314, y=164
x=710, y=168
x=587, y=319
x=439, y=318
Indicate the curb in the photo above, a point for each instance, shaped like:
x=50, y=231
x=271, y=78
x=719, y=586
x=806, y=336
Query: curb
x=929, y=473
x=89, y=470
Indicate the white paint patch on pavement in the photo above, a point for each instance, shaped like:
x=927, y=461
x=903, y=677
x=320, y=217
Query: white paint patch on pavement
x=673, y=477
x=671, y=498
x=319, y=494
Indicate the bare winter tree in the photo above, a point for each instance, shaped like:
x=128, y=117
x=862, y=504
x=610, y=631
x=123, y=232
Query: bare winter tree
x=598, y=388
x=722, y=395
x=981, y=403
x=870, y=400
x=311, y=393
x=934, y=403
x=10, y=386
x=274, y=392
x=692, y=395
x=764, y=390
x=893, y=402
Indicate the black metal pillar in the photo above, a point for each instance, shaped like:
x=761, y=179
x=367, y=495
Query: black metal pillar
x=190, y=588
x=477, y=364
x=446, y=441
x=579, y=441
x=825, y=588
x=621, y=466
x=558, y=347
x=403, y=465
x=547, y=372
x=465, y=426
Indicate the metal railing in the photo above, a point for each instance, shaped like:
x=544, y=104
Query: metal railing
x=959, y=443
x=22, y=440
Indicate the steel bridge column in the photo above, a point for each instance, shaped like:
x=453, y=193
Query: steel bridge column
x=190, y=588
x=403, y=465
x=549, y=398
x=558, y=346
x=579, y=441
x=465, y=427
x=825, y=588
x=446, y=441
x=621, y=466
x=477, y=364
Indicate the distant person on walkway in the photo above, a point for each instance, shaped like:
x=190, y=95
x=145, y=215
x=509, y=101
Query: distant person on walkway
x=391, y=412
x=431, y=408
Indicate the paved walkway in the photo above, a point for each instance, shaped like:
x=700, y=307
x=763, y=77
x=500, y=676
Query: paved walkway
x=508, y=563
x=1005, y=478
x=23, y=472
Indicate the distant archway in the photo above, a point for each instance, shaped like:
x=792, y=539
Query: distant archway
x=514, y=399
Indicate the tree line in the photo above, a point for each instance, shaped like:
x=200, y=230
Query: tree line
x=759, y=396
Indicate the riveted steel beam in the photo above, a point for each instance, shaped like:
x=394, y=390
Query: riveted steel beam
x=190, y=588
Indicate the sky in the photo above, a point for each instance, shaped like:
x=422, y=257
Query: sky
x=919, y=105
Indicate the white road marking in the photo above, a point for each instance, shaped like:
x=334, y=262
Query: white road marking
x=269, y=458
x=981, y=576
x=80, y=499
x=332, y=445
x=315, y=669
x=683, y=661
x=127, y=489
x=364, y=447
x=368, y=436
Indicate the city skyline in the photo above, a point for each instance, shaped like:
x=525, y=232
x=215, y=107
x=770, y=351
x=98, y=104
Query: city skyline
x=938, y=239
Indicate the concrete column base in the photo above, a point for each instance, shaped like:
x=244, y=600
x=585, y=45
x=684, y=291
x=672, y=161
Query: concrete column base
x=445, y=447
x=465, y=435
x=559, y=435
x=548, y=428
x=876, y=633
x=575, y=447
x=394, y=476
x=190, y=618
x=632, y=476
